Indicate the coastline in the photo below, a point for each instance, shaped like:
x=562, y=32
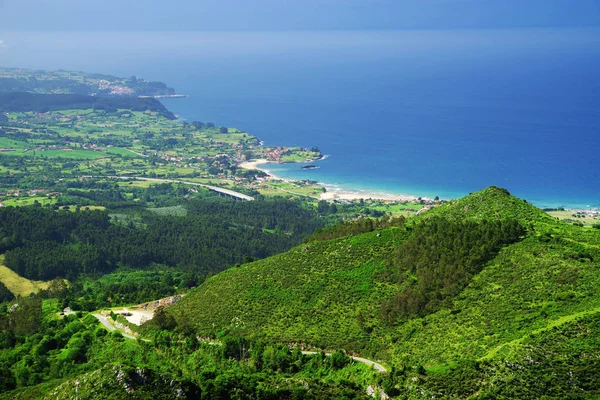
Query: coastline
x=254, y=164
x=332, y=193
x=164, y=96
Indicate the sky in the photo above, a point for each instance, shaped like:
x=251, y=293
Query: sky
x=197, y=15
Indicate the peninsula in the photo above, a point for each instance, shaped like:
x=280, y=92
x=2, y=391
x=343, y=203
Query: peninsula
x=71, y=82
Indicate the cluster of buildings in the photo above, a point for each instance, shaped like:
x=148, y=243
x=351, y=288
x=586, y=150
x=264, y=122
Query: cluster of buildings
x=221, y=160
x=49, y=147
x=586, y=213
x=51, y=116
x=32, y=192
x=22, y=193
x=114, y=88
x=93, y=146
x=273, y=153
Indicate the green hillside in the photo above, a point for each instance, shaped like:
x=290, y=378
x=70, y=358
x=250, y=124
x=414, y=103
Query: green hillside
x=490, y=203
x=487, y=305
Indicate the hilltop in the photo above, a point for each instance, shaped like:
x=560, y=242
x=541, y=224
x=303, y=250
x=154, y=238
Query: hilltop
x=492, y=203
x=480, y=288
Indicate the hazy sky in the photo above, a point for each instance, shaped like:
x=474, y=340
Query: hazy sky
x=293, y=14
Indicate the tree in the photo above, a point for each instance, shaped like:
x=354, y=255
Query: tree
x=26, y=315
x=339, y=360
x=163, y=320
x=323, y=207
x=5, y=294
x=235, y=347
x=223, y=129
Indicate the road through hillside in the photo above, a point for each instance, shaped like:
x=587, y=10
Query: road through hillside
x=110, y=326
x=370, y=363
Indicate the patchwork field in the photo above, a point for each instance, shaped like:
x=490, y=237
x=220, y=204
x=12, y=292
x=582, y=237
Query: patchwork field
x=571, y=216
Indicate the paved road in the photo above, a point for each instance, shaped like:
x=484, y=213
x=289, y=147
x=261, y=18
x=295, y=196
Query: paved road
x=135, y=152
x=365, y=361
x=217, y=189
x=110, y=326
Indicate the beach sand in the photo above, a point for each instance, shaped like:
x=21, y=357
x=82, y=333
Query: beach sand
x=341, y=195
x=253, y=164
x=335, y=195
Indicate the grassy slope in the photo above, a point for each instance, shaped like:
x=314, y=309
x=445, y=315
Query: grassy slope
x=330, y=295
x=310, y=294
x=18, y=285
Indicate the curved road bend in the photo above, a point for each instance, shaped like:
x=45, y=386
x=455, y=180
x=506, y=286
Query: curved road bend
x=365, y=361
x=376, y=365
x=111, y=327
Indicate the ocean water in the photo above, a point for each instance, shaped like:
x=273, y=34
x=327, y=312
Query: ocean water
x=426, y=113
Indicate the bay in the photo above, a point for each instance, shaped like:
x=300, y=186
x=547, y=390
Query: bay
x=426, y=113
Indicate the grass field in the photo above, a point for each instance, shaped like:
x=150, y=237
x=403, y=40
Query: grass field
x=299, y=156
x=177, y=211
x=396, y=210
x=567, y=216
x=18, y=285
x=280, y=188
x=27, y=201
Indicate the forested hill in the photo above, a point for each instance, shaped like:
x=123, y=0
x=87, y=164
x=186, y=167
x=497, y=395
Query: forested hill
x=23, y=102
x=40, y=243
x=486, y=295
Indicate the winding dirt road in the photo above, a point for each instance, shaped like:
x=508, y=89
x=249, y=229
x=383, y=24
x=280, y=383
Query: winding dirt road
x=378, y=367
x=365, y=361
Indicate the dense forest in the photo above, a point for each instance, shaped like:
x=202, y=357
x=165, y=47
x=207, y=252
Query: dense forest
x=41, y=243
x=5, y=294
x=347, y=228
x=441, y=257
x=23, y=102
x=30, y=85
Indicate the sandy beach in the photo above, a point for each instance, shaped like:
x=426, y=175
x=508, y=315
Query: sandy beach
x=341, y=195
x=253, y=164
x=336, y=194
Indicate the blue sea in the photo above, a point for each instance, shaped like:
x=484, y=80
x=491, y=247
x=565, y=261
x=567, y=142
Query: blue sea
x=425, y=113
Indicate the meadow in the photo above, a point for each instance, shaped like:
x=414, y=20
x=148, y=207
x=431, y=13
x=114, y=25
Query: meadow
x=18, y=285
